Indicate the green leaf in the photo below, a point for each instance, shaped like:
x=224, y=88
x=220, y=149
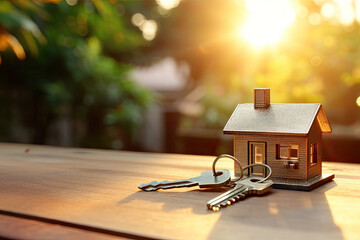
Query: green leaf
x=16, y=19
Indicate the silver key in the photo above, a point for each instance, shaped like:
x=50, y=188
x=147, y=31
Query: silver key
x=243, y=188
x=205, y=180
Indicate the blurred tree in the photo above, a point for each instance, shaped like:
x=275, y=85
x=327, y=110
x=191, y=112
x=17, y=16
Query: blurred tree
x=316, y=60
x=70, y=76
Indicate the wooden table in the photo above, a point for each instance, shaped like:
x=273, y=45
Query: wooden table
x=68, y=193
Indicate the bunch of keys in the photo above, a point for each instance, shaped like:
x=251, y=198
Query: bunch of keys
x=242, y=186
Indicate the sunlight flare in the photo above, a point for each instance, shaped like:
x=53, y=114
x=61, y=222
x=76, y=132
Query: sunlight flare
x=267, y=21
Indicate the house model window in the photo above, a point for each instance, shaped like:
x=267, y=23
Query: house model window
x=313, y=153
x=258, y=155
x=287, y=152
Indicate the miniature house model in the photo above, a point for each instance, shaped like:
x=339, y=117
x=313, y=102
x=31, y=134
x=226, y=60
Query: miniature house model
x=287, y=137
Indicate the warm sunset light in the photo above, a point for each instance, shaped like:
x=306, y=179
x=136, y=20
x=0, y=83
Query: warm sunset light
x=168, y=4
x=267, y=21
x=180, y=119
x=148, y=27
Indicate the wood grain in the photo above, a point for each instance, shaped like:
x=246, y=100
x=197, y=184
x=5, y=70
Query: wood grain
x=19, y=228
x=98, y=188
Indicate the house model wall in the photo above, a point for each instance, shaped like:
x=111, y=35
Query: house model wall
x=287, y=137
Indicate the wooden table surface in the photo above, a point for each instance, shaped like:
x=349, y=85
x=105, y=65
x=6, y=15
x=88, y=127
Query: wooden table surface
x=68, y=193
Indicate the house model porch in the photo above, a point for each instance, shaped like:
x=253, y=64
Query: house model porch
x=287, y=137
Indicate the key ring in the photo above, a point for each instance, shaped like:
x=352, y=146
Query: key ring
x=260, y=164
x=233, y=158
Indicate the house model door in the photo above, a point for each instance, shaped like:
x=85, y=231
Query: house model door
x=257, y=154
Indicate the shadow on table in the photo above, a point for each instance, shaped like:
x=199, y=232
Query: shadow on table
x=177, y=198
x=283, y=214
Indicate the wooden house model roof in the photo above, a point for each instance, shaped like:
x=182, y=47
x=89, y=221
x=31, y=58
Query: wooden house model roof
x=277, y=119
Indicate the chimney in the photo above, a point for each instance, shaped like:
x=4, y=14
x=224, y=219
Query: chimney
x=261, y=97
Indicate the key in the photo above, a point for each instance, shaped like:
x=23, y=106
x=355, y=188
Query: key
x=205, y=180
x=243, y=188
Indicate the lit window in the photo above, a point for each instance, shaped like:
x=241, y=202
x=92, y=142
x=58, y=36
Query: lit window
x=287, y=151
x=313, y=153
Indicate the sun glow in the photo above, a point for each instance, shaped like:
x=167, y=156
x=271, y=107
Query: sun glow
x=267, y=21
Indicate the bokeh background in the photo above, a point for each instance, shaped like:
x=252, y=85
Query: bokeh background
x=165, y=75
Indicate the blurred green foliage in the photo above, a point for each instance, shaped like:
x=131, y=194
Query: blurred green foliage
x=72, y=74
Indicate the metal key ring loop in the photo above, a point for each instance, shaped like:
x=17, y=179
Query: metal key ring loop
x=261, y=165
x=229, y=156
